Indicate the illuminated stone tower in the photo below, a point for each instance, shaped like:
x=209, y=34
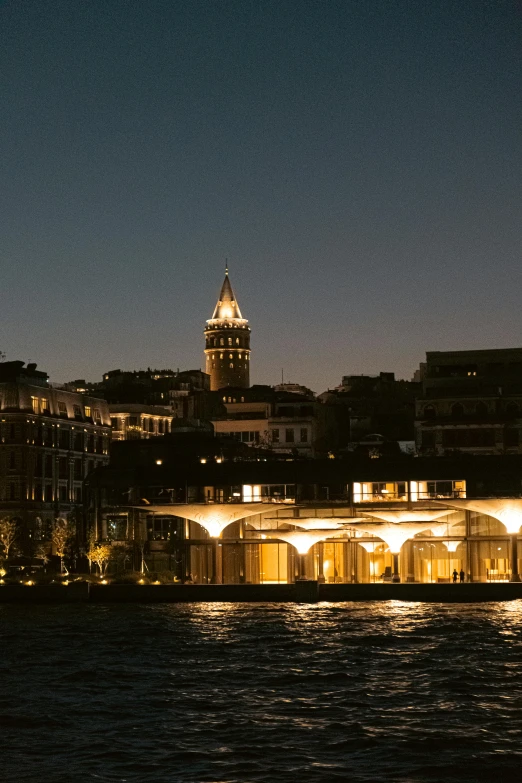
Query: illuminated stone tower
x=227, y=342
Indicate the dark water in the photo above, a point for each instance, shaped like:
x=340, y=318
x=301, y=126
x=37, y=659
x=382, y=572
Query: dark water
x=237, y=693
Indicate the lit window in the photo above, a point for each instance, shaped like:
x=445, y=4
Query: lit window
x=230, y=341
x=221, y=355
x=231, y=365
x=35, y=404
x=62, y=409
x=45, y=405
x=88, y=411
x=240, y=356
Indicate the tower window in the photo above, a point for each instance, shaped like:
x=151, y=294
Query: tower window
x=230, y=341
x=237, y=340
x=220, y=355
x=231, y=365
x=240, y=356
x=221, y=341
x=230, y=355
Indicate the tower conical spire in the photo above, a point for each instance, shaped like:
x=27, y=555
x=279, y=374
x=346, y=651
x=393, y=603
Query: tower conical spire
x=227, y=306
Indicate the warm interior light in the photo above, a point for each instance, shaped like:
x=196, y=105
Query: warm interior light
x=369, y=545
x=452, y=545
x=159, y=462
x=329, y=523
x=302, y=540
x=395, y=534
x=408, y=516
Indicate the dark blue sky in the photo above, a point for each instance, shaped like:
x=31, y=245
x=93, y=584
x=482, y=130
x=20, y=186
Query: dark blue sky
x=358, y=162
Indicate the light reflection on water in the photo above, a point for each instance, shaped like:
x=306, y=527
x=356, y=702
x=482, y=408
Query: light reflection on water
x=246, y=693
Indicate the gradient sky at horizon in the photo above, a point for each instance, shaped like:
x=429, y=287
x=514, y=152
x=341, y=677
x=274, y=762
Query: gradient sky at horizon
x=359, y=163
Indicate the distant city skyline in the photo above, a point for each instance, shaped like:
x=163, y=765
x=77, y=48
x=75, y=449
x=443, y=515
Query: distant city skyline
x=358, y=164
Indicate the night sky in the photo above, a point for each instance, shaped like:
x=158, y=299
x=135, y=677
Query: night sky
x=358, y=162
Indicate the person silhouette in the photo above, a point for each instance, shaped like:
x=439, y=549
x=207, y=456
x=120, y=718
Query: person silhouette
x=462, y=575
x=455, y=575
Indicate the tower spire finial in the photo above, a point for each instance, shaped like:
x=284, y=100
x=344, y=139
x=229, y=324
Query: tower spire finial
x=226, y=266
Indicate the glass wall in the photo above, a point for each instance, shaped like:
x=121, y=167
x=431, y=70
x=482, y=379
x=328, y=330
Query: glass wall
x=380, y=491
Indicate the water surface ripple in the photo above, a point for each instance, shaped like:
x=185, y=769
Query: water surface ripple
x=272, y=693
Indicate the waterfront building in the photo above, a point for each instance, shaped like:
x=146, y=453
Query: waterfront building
x=366, y=520
x=51, y=438
x=227, y=342
x=471, y=402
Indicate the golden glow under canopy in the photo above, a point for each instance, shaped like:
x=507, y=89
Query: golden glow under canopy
x=316, y=523
x=506, y=510
x=422, y=515
x=395, y=534
x=302, y=540
x=213, y=517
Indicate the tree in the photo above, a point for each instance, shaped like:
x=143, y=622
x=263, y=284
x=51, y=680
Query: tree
x=60, y=536
x=99, y=553
x=40, y=553
x=8, y=534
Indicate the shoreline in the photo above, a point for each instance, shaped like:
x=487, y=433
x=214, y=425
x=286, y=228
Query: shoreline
x=299, y=592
